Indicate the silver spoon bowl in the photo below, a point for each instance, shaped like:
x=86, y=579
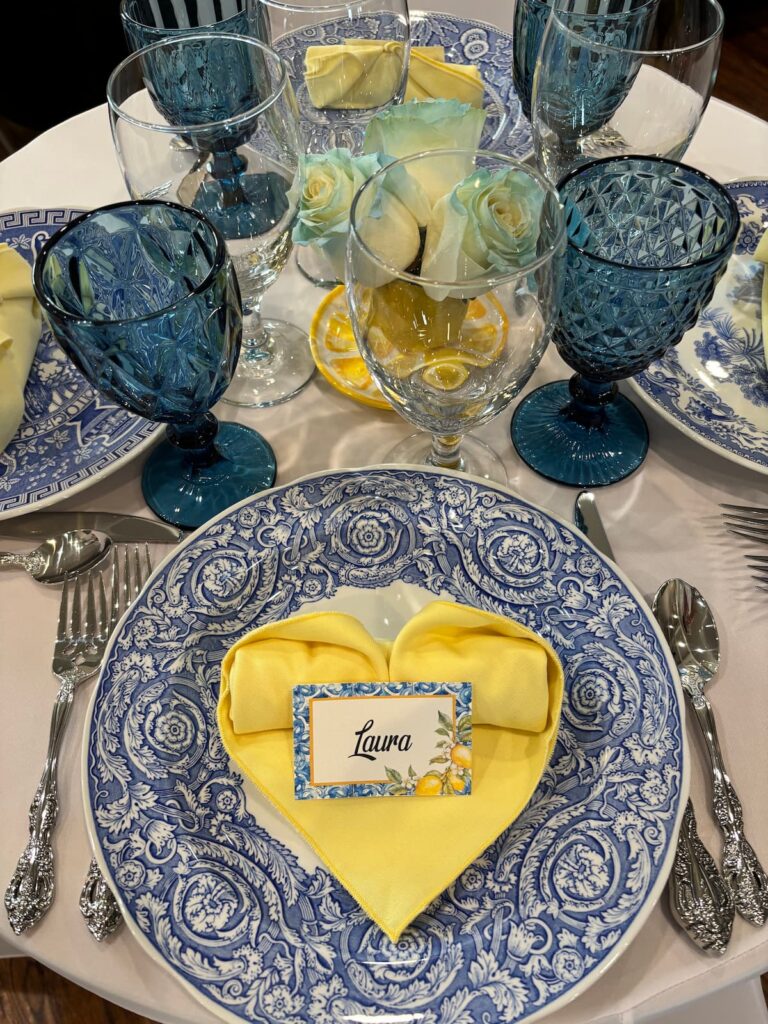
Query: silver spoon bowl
x=60, y=557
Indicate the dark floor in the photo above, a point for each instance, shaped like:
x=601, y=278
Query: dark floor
x=31, y=994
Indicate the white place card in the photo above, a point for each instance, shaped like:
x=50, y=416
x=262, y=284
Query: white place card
x=382, y=739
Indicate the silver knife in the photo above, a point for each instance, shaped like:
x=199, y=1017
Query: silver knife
x=588, y=520
x=121, y=528
x=698, y=897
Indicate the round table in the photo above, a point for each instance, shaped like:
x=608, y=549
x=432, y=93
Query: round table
x=662, y=521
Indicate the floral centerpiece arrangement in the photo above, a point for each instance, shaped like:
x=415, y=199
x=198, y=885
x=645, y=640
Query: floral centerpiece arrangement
x=440, y=219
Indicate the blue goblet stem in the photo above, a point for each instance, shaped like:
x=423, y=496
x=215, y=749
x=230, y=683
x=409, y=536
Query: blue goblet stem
x=589, y=401
x=196, y=441
x=227, y=168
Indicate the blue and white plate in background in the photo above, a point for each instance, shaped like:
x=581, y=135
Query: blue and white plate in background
x=714, y=385
x=217, y=886
x=70, y=436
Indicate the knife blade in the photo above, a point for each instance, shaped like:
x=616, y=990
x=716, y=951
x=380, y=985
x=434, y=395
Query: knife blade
x=589, y=522
x=122, y=529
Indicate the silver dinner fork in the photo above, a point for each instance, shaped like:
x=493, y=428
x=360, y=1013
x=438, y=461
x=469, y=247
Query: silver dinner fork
x=97, y=901
x=81, y=638
x=747, y=521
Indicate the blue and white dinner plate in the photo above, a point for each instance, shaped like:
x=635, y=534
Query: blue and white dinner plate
x=70, y=436
x=507, y=130
x=215, y=883
x=714, y=385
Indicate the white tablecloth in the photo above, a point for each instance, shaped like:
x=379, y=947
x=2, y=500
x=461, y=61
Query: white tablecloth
x=662, y=521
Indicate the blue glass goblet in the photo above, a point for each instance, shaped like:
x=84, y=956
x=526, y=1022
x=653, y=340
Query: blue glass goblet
x=143, y=297
x=623, y=21
x=648, y=240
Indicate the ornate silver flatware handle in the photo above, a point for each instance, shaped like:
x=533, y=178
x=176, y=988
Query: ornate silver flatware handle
x=98, y=904
x=700, y=901
x=30, y=890
x=742, y=872
x=12, y=560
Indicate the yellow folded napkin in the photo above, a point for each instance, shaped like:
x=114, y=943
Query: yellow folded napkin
x=362, y=73
x=430, y=78
x=355, y=75
x=395, y=855
x=761, y=254
x=19, y=335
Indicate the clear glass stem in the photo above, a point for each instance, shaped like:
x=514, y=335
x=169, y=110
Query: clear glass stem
x=257, y=346
x=589, y=399
x=446, y=451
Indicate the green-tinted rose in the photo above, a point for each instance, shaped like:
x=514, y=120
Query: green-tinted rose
x=489, y=223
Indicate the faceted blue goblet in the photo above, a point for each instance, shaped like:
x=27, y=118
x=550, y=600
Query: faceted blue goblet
x=142, y=296
x=648, y=240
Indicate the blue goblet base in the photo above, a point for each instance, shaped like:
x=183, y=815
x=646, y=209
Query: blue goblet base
x=567, y=451
x=186, y=494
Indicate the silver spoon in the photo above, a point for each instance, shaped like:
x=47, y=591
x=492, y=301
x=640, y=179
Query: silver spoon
x=61, y=556
x=690, y=629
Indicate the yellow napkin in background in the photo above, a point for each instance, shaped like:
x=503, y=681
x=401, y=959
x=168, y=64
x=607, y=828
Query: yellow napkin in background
x=362, y=73
x=761, y=254
x=353, y=76
x=19, y=335
x=395, y=855
x=430, y=78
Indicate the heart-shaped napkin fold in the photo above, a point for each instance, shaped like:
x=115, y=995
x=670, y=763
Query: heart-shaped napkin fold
x=395, y=855
x=19, y=335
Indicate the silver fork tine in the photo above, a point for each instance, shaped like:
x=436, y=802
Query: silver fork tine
x=103, y=614
x=752, y=533
x=89, y=621
x=74, y=619
x=61, y=630
x=756, y=510
x=733, y=519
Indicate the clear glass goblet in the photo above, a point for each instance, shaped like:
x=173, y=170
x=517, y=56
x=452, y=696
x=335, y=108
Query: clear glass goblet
x=210, y=121
x=600, y=92
x=648, y=240
x=143, y=297
x=451, y=353
x=348, y=60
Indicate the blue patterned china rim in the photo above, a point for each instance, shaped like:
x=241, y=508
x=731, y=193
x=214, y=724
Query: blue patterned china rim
x=212, y=880
x=70, y=436
x=714, y=384
x=466, y=42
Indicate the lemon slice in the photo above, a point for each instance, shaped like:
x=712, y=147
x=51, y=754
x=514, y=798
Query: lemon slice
x=483, y=332
x=336, y=355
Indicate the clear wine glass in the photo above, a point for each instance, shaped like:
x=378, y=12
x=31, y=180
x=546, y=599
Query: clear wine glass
x=143, y=297
x=210, y=121
x=599, y=92
x=347, y=60
x=450, y=353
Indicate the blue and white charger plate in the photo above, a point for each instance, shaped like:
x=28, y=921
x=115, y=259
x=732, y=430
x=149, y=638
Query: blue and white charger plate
x=714, y=385
x=70, y=436
x=214, y=882
x=507, y=130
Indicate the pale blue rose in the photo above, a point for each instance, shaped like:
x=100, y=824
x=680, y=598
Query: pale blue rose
x=489, y=223
x=423, y=126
